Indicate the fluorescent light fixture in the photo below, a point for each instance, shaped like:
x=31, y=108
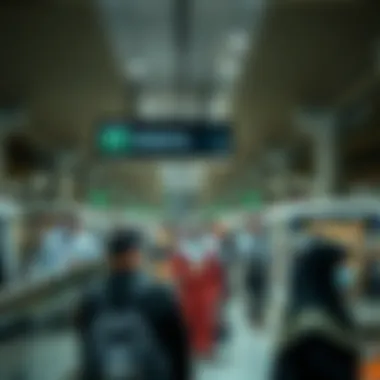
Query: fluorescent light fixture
x=220, y=107
x=377, y=55
x=168, y=104
x=238, y=41
x=228, y=69
x=137, y=69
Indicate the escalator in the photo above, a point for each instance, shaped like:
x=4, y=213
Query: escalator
x=37, y=339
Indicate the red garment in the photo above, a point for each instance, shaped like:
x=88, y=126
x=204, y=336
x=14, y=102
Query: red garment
x=200, y=289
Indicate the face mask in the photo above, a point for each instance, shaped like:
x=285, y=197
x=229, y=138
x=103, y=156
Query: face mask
x=345, y=277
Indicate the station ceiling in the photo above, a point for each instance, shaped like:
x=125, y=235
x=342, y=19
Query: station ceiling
x=58, y=65
x=72, y=63
x=69, y=63
x=309, y=53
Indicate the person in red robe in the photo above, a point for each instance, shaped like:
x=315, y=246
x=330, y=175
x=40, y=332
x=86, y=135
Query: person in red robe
x=198, y=275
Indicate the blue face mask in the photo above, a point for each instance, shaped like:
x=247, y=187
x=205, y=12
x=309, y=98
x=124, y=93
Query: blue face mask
x=345, y=277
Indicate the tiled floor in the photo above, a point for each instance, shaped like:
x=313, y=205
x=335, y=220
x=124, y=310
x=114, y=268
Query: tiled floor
x=245, y=357
x=53, y=357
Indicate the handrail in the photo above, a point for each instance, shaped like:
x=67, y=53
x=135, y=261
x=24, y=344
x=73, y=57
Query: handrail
x=27, y=295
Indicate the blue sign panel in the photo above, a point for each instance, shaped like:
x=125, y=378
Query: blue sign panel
x=163, y=139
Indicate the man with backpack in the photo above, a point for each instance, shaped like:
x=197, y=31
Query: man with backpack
x=130, y=327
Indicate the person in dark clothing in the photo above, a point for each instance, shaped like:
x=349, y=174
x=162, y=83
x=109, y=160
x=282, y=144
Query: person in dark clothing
x=319, y=341
x=372, y=280
x=158, y=305
x=257, y=278
x=256, y=287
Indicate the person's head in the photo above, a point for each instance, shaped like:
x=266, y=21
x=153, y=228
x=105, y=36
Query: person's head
x=218, y=229
x=193, y=231
x=316, y=275
x=68, y=221
x=72, y=222
x=124, y=250
x=253, y=224
x=333, y=263
x=45, y=221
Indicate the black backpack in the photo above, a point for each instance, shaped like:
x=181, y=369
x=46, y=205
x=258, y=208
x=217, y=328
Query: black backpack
x=123, y=344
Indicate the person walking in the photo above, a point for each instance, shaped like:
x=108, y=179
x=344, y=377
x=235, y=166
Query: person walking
x=131, y=326
x=319, y=341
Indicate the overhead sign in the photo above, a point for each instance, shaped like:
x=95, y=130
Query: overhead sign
x=170, y=139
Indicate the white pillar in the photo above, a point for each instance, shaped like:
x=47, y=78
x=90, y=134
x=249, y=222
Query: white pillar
x=3, y=163
x=66, y=176
x=12, y=119
x=278, y=165
x=325, y=159
x=322, y=127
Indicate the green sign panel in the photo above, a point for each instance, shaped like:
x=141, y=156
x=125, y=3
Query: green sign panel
x=98, y=198
x=251, y=200
x=248, y=201
x=114, y=139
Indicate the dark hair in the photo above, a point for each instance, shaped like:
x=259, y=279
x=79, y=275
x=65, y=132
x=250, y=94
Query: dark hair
x=123, y=241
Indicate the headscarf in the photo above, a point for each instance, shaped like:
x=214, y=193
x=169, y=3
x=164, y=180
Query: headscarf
x=315, y=302
x=193, y=249
x=212, y=244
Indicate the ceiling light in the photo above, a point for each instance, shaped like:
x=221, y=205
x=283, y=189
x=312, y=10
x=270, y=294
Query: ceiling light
x=220, y=107
x=238, y=41
x=228, y=69
x=137, y=69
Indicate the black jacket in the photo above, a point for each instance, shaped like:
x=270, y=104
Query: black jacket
x=318, y=341
x=159, y=306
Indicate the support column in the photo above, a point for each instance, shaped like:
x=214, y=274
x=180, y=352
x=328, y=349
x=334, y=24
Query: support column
x=37, y=186
x=325, y=158
x=322, y=127
x=3, y=163
x=66, y=165
x=12, y=119
x=278, y=166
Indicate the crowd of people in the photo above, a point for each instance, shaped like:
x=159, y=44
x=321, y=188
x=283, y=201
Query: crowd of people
x=185, y=311
x=61, y=242
x=134, y=326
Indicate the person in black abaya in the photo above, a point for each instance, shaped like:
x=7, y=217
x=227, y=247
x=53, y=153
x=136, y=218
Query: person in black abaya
x=318, y=341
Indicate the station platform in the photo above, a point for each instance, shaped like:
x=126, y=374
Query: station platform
x=246, y=355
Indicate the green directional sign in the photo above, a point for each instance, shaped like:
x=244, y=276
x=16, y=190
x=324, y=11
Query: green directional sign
x=98, y=198
x=162, y=139
x=114, y=139
x=252, y=200
x=245, y=200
